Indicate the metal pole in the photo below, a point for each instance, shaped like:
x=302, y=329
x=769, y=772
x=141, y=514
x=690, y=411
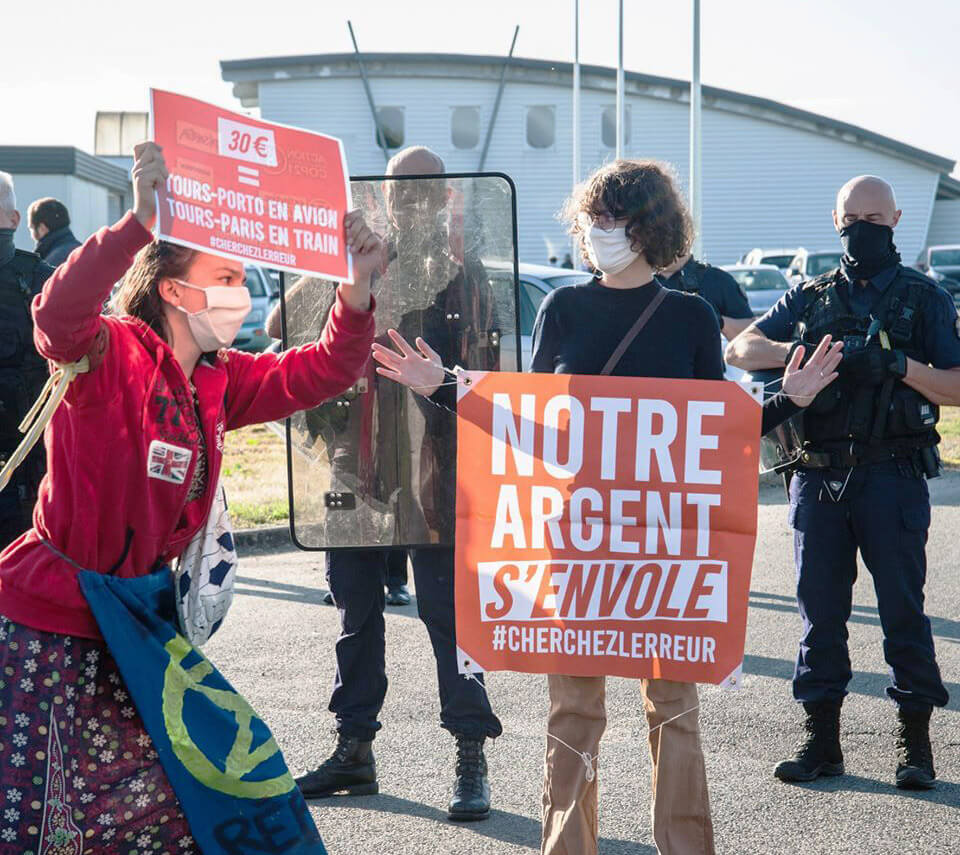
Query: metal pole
x=381, y=138
x=496, y=104
x=576, y=113
x=620, y=83
x=696, y=138
x=576, y=92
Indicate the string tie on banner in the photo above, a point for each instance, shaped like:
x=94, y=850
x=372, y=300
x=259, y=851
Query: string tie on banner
x=588, y=759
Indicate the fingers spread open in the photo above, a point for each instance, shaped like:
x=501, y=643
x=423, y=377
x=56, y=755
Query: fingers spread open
x=428, y=351
x=401, y=343
x=795, y=360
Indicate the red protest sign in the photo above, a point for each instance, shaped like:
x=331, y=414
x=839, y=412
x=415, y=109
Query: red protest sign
x=605, y=525
x=251, y=190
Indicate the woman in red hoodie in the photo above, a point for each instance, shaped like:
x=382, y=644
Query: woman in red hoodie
x=133, y=460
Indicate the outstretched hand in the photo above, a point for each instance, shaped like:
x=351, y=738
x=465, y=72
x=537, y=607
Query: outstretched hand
x=803, y=384
x=421, y=369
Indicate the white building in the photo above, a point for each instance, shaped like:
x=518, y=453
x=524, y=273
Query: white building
x=95, y=192
x=770, y=172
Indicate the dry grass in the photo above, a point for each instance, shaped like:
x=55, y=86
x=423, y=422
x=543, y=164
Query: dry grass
x=255, y=477
x=949, y=428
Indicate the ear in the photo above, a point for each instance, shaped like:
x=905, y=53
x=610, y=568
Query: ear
x=15, y=219
x=896, y=218
x=169, y=291
x=836, y=222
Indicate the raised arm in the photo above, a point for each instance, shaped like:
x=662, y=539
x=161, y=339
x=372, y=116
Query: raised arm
x=273, y=386
x=66, y=314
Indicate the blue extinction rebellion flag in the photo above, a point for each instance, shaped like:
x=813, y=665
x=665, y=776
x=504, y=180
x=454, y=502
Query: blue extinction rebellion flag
x=220, y=758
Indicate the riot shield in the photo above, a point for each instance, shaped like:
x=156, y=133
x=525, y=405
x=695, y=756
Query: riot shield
x=376, y=467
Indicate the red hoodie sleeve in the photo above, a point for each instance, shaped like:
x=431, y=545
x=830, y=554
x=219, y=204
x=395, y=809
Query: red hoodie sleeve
x=272, y=386
x=66, y=314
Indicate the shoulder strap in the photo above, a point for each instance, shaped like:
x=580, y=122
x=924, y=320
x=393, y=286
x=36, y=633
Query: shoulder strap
x=634, y=331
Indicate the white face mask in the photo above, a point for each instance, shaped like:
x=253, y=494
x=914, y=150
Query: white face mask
x=609, y=251
x=217, y=325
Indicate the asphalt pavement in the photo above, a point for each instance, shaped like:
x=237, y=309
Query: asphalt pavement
x=277, y=648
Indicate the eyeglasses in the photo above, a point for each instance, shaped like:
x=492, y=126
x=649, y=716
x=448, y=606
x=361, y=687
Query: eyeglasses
x=605, y=222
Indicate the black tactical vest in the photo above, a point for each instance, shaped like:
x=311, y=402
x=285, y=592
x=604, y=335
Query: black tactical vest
x=891, y=413
x=690, y=276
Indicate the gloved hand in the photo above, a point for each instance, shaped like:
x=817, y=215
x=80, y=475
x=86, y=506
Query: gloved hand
x=872, y=365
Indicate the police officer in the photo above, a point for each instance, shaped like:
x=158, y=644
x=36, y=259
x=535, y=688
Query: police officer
x=869, y=441
x=717, y=287
x=22, y=371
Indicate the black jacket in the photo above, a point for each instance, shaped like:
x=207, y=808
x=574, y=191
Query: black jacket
x=55, y=246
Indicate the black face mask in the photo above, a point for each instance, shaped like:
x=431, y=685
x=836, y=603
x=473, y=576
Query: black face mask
x=7, y=248
x=868, y=248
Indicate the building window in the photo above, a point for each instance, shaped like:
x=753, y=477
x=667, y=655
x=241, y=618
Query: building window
x=390, y=120
x=541, y=127
x=608, y=125
x=465, y=127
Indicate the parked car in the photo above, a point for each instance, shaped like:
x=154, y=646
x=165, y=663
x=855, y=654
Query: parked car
x=808, y=265
x=764, y=284
x=264, y=294
x=778, y=257
x=942, y=263
x=536, y=281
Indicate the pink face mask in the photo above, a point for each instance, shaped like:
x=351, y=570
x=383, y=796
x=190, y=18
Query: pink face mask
x=217, y=325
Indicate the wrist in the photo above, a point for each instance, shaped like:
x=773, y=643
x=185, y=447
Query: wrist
x=147, y=217
x=357, y=295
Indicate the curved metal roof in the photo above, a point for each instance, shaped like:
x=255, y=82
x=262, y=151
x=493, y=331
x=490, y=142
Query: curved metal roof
x=246, y=74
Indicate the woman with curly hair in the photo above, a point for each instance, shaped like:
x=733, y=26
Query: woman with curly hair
x=631, y=222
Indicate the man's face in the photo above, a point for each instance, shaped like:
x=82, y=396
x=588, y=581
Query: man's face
x=39, y=231
x=9, y=219
x=869, y=201
x=415, y=202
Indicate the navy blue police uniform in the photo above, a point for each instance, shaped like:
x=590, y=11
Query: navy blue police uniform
x=860, y=477
x=716, y=286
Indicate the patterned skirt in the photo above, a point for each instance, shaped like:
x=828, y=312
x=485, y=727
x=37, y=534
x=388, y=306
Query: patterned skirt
x=78, y=772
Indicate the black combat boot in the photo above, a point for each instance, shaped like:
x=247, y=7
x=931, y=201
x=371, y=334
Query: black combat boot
x=350, y=770
x=818, y=752
x=471, y=791
x=914, y=754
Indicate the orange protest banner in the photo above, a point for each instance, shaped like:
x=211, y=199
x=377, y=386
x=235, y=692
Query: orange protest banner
x=605, y=525
x=251, y=190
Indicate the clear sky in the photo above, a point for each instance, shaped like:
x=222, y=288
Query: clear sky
x=887, y=65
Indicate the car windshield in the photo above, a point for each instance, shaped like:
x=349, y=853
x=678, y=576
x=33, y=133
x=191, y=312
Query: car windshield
x=822, y=262
x=778, y=260
x=255, y=283
x=760, y=280
x=945, y=258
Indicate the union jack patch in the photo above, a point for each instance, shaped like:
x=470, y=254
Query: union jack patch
x=168, y=462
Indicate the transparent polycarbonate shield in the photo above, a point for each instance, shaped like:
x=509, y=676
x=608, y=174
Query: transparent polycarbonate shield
x=376, y=466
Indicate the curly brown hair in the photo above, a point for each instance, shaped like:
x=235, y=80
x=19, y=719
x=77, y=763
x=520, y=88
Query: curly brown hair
x=139, y=294
x=644, y=192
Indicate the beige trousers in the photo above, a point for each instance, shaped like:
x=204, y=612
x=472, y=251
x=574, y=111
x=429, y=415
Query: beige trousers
x=681, y=805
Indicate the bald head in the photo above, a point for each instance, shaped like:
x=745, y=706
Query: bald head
x=415, y=160
x=868, y=198
x=410, y=201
